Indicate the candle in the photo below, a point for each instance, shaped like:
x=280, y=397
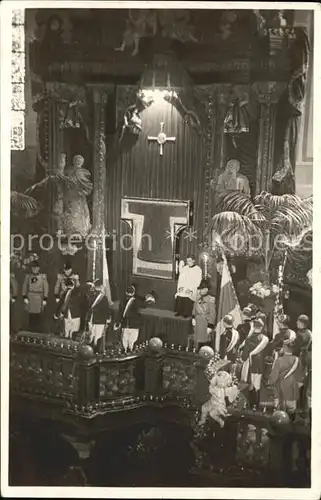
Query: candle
x=94, y=259
x=205, y=256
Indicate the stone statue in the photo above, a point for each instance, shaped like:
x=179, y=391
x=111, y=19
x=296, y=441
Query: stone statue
x=232, y=180
x=76, y=219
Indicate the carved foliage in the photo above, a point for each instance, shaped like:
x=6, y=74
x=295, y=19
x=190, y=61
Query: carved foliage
x=179, y=375
x=252, y=445
x=43, y=375
x=117, y=380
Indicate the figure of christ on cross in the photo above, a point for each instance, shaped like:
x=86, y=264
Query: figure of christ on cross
x=161, y=138
x=155, y=224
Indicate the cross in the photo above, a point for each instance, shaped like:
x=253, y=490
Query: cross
x=161, y=138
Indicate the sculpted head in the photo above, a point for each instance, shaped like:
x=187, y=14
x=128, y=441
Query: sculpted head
x=78, y=161
x=233, y=166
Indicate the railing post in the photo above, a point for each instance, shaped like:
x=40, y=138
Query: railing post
x=154, y=372
x=87, y=372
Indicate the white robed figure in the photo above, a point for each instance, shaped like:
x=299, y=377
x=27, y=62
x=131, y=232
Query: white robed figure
x=190, y=276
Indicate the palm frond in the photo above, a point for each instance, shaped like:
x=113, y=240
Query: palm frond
x=235, y=231
x=293, y=220
x=23, y=205
x=235, y=201
x=299, y=251
x=50, y=184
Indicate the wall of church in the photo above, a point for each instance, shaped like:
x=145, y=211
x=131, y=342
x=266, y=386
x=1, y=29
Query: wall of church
x=140, y=171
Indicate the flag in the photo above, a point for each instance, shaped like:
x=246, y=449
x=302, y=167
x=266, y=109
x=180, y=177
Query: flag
x=106, y=283
x=228, y=304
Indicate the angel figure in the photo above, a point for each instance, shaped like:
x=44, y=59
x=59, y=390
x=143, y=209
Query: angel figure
x=76, y=218
x=51, y=190
x=132, y=121
x=220, y=388
x=137, y=28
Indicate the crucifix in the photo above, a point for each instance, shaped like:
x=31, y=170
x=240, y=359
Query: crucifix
x=161, y=138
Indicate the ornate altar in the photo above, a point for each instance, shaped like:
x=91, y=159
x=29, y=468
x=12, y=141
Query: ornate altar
x=157, y=103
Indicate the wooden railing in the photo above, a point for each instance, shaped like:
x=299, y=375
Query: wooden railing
x=79, y=383
x=70, y=374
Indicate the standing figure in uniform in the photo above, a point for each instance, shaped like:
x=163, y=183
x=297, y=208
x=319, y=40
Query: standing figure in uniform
x=287, y=378
x=276, y=344
x=99, y=315
x=35, y=292
x=303, y=349
x=70, y=308
x=13, y=298
x=128, y=318
x=252, y=354
x=190, y=276
x=245, y=327
x=229, y=340
x=203, y=315
x=60, y=286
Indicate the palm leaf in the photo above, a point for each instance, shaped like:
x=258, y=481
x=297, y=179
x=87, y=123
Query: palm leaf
x=50, y=184
x=293, y=219
x=23, y=205
x=234, y=231
x=235, y=201
x=300, y=251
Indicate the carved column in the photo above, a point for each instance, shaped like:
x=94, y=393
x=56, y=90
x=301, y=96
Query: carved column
x=268, y=94
x=218, y=148
x=95, y=247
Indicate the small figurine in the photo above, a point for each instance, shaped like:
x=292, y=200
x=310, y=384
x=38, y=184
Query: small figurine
x=60, y=286
x=220, y=388
x=35, y=295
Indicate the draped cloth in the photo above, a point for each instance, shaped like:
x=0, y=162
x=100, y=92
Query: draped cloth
x=76, y=218
x=237, y=118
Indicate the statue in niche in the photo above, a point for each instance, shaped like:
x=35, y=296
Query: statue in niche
x=232, y=180
x=76, y=218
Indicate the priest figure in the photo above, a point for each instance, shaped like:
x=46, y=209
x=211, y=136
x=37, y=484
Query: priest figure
x=190, y=276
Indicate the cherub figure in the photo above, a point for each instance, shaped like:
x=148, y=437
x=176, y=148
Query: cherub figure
x=220, y=388
x=137, y=28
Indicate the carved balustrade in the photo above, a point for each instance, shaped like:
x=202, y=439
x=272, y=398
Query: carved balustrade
x=49, y=371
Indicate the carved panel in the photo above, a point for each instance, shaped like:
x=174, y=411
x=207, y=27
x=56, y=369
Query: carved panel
x=179, y=375
x=253, y=445
x=42, y=374
x=117, y=380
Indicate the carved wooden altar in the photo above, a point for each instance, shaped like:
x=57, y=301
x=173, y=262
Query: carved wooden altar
x=87, y=90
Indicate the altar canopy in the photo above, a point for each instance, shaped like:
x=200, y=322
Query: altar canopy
x=155, y=227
